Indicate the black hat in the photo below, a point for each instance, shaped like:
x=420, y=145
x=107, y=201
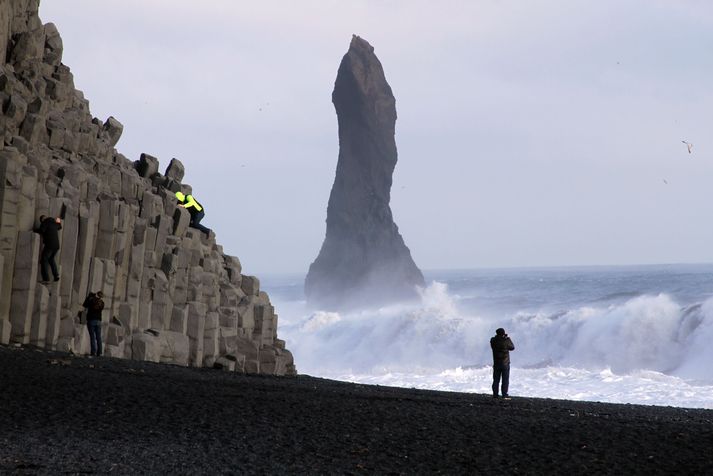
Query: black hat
x=500, y=331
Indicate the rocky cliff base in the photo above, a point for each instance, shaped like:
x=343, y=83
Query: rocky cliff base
x=171, y=293
x=64, y=414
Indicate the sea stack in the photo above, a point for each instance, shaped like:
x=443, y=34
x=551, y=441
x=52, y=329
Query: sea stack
x=363, y=261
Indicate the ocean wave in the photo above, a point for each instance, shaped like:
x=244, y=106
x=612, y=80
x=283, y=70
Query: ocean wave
x=644, y=333
x=619, y=295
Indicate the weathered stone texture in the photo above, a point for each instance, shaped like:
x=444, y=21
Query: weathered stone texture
x=147, y=166
x=24, y=283
x=145, y=346
x=113, y=130
x=170, y=293
x=38, y=329
x=175, y=170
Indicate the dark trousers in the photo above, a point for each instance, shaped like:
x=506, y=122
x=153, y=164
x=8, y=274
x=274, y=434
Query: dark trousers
x=501, y=371
x=196, y=222
x=95, y=336
x=47, y=258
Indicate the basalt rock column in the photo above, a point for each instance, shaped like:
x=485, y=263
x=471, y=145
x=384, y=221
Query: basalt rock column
x=171, y=294
x=363, y=260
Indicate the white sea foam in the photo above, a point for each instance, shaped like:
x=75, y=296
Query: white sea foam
x=644, y=387
x=643, y=349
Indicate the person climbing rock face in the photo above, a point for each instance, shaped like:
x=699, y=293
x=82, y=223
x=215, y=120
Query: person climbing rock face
x=49, y=230
x=195, y=209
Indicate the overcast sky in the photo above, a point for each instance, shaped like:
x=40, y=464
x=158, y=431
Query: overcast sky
x=530, y=133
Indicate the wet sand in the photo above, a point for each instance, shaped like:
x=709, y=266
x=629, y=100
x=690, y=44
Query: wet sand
x=72, y=415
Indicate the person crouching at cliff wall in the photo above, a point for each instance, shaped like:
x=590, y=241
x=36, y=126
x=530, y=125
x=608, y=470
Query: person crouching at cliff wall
x=195, y=209
x=49, y=230
x=94, y=305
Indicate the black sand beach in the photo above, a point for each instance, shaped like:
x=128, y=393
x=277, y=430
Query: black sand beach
x=69, y=415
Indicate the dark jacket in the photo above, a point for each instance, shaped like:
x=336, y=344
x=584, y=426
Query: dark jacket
x=49, y=230
x=95, y=306
x=501, y=345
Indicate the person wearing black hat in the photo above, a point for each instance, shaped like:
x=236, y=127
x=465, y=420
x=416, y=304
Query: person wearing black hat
x=49, y=230
x=501, y=345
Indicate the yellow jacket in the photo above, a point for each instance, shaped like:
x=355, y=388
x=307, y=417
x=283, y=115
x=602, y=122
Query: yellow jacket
x=188, y=201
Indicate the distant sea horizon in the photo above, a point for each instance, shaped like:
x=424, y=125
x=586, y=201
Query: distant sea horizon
x=438, y=270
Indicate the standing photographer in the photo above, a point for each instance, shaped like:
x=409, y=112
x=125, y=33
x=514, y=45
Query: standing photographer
x=501, y=345
x=94, y=305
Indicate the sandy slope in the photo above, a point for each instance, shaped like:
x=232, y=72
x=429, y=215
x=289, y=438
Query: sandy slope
x=63, y=414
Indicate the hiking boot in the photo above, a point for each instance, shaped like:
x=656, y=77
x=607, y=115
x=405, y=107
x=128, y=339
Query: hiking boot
x=56, y=278
x=507, y=397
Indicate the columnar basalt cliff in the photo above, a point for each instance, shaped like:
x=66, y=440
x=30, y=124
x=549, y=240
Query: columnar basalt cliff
x=363, y=260
x=171, y=293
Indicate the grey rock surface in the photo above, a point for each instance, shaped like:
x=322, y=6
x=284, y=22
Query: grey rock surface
x=170, y=295
x=363, y=260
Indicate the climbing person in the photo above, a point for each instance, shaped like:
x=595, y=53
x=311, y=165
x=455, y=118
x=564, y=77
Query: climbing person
x=501, y=345
x=195, y=209
x=48, y=229
x=94, y=305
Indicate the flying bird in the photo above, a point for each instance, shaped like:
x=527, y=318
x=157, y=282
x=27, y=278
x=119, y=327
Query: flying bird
x=664, y=181
x=688, y=145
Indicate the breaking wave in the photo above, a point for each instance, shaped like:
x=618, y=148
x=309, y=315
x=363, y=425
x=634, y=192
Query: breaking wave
x=633, y=346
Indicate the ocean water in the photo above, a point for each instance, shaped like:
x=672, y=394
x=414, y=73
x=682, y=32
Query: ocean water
x=630, y=334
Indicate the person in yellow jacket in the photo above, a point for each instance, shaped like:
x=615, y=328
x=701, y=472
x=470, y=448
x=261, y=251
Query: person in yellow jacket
x=195, y=209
